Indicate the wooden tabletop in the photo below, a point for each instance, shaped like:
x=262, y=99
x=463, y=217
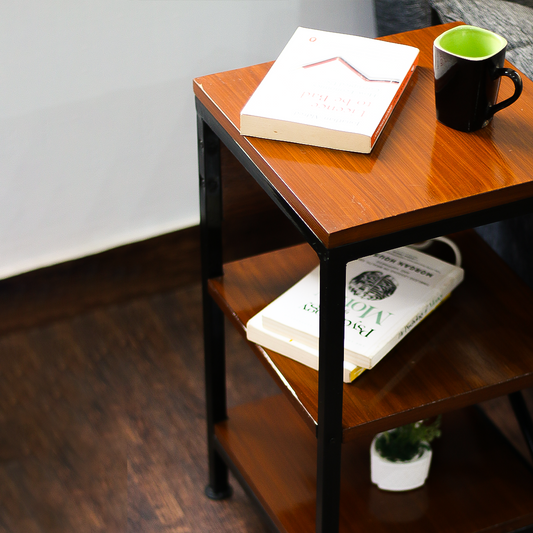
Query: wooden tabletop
x=419, y=171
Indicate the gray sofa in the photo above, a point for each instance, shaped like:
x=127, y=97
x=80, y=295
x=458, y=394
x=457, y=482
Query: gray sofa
x=513, y=238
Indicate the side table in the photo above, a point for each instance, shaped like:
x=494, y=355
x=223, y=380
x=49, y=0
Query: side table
x=302, y=455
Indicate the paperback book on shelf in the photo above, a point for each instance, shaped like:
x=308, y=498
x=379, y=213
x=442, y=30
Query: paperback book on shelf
x=292, y=348
x=387, y=295
x=331, y=90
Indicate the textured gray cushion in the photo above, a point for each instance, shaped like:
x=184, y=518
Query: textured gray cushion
x=395, y=16
x=511, y=20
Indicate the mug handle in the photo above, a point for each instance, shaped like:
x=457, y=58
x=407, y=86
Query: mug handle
x=516, y=79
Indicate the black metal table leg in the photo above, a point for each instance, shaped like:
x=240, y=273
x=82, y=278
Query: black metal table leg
x=330, y=390
x=524, y=418
x=214, y=341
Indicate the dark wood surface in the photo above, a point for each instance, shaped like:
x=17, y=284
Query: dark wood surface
x=419, y=171
x=475, y=346
x=456, y=498
x=155, y=265
x=102, y=421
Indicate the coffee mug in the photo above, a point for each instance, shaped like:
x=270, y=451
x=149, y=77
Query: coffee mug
x=468, y=66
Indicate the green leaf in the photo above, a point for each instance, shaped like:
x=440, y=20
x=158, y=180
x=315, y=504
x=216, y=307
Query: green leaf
x=409, y=441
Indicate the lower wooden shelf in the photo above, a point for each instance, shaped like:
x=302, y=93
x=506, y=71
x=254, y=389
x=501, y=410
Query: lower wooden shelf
x=477, y=482
x=478, y=345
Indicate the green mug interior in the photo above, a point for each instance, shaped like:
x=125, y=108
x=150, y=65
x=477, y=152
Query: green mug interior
x=470, y=42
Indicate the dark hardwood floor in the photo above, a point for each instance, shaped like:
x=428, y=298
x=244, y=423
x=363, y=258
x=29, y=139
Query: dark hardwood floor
x=102, y=425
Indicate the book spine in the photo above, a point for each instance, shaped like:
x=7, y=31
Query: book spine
x=392, y=105
x=439, y=296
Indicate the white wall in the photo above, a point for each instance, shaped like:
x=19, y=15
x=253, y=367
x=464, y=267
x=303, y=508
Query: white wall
x=97, y=121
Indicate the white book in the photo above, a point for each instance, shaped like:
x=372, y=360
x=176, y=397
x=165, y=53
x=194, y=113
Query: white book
x=331, y=90
x=387, y=295
x=293, y=349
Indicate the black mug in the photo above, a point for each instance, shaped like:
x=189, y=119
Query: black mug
x=468, y=66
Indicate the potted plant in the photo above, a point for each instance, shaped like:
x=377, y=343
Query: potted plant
x=400, y=457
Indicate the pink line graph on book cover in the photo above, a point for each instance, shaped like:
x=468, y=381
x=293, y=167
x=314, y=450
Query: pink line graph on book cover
x=353, y=69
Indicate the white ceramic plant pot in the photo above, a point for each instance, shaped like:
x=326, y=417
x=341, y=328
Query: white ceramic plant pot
x=404, y=475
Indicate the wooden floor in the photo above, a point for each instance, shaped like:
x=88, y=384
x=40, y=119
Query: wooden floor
x=102, y=425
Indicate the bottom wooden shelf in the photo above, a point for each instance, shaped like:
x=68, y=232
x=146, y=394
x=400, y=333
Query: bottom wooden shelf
x=477, y=482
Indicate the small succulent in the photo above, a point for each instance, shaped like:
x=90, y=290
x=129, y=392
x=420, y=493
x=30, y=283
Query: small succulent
x=409, y=441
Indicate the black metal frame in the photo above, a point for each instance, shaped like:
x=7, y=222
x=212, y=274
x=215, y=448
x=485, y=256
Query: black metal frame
x=523, y=417
x=332, y=287
x=214, y=341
